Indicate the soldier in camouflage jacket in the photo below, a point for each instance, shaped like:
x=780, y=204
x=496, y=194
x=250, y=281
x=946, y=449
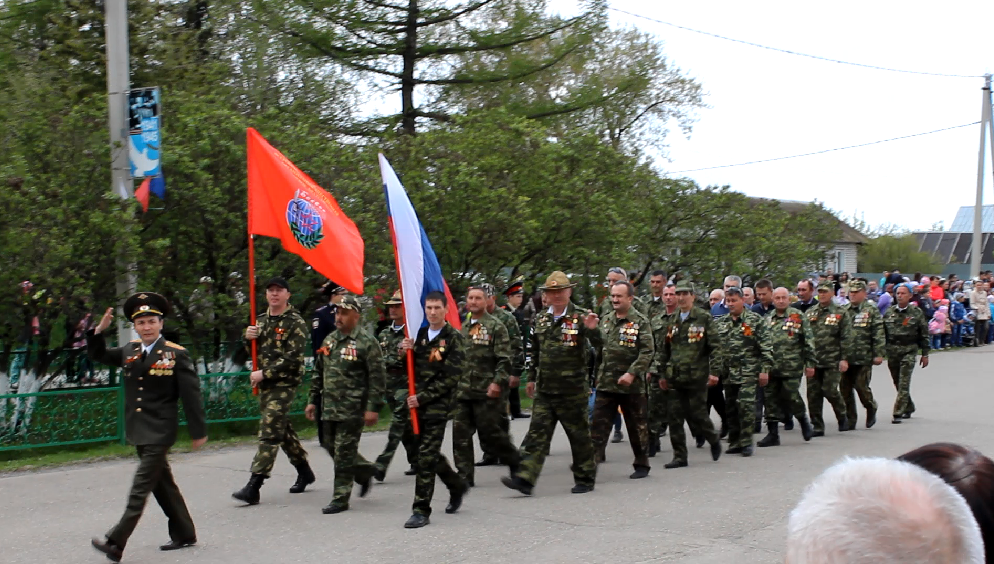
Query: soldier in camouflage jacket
x=866, y=350
x=832, y=332
x=906, y=331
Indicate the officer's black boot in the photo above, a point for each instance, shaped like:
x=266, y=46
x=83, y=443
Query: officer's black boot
x=807, y=429
x=250, y=493
x=772, y=438
x=305, y=477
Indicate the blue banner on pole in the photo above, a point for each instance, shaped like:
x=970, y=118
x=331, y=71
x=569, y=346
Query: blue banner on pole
x=145, y=139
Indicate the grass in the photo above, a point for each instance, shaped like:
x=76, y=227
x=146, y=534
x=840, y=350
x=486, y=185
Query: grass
x=221, y=435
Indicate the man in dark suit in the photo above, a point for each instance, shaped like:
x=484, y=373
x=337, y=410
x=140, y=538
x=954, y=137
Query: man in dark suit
x=156, y=374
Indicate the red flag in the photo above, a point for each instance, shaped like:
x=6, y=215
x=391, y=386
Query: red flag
x=285, y=203
x=141, y=194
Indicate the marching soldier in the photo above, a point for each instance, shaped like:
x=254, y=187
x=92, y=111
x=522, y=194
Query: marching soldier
x=907, y=332
x=157, y=374
x=281, y=334
x=515, y=305
x=659, y=304
x=687, y=362
x=490, y=457
x=746, y=360
x=439, y=351
x=793, y=354
x=626, y=353
x=559, y=349
x=348, y=382
x=479, y=398
x=866, y=350
x=832, y=332
x=396, y=396
x=322, y=324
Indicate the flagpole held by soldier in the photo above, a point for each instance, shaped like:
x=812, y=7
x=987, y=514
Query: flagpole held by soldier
x=390, y=338
x=156, y=374
x=281, y=334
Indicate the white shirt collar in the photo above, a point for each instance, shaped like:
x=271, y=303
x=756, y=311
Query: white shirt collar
x=149, y=348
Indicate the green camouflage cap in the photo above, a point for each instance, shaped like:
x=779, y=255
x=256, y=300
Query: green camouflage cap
x=827, y=285
x=557, y=281
x=684, y=286
x=350, y=302
x=857, y=286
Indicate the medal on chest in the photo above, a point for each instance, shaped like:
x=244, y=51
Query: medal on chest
x=695, y=333
x=862, y=320
x=628, y=334
x=791, y=324
x=164, y=366
x=349, y=352
x=479, y=335
x=746, y=330
x=906, y=321
x=570, y=331
x=280, y=332
x=436, y=352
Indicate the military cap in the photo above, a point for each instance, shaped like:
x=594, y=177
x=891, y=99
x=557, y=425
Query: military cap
x=488, y=289
x=396, y=299
x=827, y=285
x=517, y=286
x=350, y=302
x=331, y=289
x=145, y=303
x=684, y=286
x=857, y=286
x=557, y=281
x=278, y=281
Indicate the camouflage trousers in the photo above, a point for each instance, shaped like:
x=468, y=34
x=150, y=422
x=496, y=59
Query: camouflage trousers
x=901, y=366
x=857, y=378
x=489, y=449
x=688, y=403
x=401, y=415
x=571, y=411
x=824, y=386
x=783, y=392
x=483, y=417
x=341, y=440
x=740, y=413
x=275, y=431
x=658, y=407
x=633, y=409
x=431, y=462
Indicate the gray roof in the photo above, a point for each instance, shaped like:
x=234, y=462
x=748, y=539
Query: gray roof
x=952, y=247
x=964, y=220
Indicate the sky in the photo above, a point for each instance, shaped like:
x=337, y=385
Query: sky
x=764, y=104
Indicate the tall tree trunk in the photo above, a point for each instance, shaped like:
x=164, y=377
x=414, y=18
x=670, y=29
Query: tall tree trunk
x=407, y=81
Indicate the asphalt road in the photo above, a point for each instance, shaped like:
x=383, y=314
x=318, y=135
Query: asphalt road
x=733, y=510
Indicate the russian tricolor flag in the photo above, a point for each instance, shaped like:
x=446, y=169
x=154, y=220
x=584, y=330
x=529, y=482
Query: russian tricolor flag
x=417, y=265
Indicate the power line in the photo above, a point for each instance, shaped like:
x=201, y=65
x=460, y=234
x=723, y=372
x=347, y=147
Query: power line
x=828, y=150
x=789, y=52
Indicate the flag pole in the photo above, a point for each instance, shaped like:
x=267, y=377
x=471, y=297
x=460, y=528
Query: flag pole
x=407, y=332
x=251, y=266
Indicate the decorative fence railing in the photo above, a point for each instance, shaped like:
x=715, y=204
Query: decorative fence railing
x=65, y=416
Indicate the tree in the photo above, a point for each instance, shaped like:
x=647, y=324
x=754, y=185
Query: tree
x=406, y=45
x=900, y=252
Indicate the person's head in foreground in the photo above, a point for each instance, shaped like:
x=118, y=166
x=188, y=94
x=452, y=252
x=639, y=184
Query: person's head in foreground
x=877, y=510
x=970, y=473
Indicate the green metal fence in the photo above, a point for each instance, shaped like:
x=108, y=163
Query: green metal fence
x=64, y=417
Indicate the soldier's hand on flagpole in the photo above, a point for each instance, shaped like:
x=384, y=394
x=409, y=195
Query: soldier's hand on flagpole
x=412, y=402
x=591, y=321
x=493, y=390
x=256, y=377
x=530, y=389
x=310, y=412
x=406, y=344
x=371, y=418
x=712, y=380
x=105, y=321
x=252, y=332
x=809, y=372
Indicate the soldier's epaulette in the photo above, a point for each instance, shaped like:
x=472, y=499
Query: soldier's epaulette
x=175, y=346
x=136, y=340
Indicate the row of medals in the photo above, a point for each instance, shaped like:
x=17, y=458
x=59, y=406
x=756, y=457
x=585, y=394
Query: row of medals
x=628, y=335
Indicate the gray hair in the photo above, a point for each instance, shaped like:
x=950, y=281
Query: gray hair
x=870, y=510
x=733, y=278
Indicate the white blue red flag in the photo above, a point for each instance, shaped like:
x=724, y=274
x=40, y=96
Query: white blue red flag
x=417, y=265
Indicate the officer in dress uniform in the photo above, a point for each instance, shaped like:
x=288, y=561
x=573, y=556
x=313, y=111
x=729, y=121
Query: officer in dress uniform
x=156, y=375
x=322, y=325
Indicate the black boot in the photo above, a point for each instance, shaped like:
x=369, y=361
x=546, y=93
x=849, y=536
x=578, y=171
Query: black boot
x=250, y=493
x=843, y=424
x=305, y=477
x=516, y=483
x=807, y=429
x=772, y=437
x=654, y=446
x=871, y=418
x=788, y=423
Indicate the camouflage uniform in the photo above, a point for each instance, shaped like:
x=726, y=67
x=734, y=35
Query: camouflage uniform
x=558, y=367
x=686, y=350
x=867, y=342
x=658, y=398
x=793, y=352
x=282, y=342
x=745, y=351
x=515, y=368
x=627, y=347
x=396, y=397
x=349, y=379
x=437, y=367
x=832, y=332
x=906, y=332
x=487, y=361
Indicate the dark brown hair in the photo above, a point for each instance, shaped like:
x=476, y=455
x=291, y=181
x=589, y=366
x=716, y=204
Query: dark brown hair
x=970, y=473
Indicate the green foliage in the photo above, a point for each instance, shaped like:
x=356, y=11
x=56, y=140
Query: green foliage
x=889, y=252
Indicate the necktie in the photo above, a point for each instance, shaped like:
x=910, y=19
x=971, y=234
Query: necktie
x=144, y=354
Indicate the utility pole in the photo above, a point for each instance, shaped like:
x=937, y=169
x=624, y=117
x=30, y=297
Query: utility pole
x=118, y=84
x=976, y=254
